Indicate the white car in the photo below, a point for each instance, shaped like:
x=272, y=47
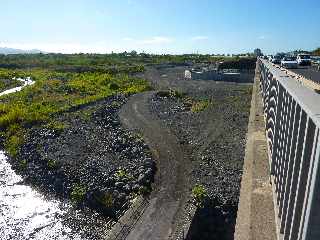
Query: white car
x=289, y=62
x=276, y=59
x=304, y=59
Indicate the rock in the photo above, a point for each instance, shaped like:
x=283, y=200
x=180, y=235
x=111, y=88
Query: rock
x=119, y=185
x=135, y=187
x=127, y=188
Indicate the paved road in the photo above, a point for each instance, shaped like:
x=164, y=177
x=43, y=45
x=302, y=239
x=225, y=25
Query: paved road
x=309, y=72
x=161, y=219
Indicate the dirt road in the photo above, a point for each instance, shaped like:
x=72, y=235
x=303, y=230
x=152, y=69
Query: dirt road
x=161, y=217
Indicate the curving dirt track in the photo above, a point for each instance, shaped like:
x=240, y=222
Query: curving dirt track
x=161, y=217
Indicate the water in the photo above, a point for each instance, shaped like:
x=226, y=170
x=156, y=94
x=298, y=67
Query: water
x=26, y=214
x=26, y=82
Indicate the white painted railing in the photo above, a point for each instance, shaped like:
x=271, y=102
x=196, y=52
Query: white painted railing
x=292, y=114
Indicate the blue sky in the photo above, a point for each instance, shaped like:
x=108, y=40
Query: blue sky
x=160, y=26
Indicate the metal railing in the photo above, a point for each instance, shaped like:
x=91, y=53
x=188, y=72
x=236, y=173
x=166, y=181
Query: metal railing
x=292, y=115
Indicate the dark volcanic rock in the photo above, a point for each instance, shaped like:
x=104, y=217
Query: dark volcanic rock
x=92, y=153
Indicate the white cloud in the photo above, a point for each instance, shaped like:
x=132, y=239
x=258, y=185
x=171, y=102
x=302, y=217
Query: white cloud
x=262, y=37
x=199, y=38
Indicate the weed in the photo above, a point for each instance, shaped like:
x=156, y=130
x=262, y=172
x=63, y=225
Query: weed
x=171, y=93
x=121, y=174
x=52, y=164
x=78, y=193
x=56, y=126
x=106, y=200
x=199, y=195
x=23, y=164
x=14, y=138
x=113, y=86
x=200, y=106
x=176, y=94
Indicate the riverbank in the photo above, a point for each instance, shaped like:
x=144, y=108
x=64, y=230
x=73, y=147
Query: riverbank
x=88, y=157
x=72, y=149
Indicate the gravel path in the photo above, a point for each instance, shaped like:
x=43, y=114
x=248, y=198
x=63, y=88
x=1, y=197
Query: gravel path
x=214, y=140
x=166, y=204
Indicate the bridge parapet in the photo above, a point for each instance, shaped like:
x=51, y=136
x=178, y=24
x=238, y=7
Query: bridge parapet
x=292, y=121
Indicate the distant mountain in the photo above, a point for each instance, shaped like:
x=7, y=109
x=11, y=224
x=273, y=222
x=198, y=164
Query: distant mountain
x=5, y=50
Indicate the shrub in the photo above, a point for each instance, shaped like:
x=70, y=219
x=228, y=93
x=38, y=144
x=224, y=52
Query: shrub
x=106, y=200
x=163, y=94
x=176, y=94
x=23, y=164
x=200, y=106
x=78, y=193
x=52, y=164
x=56, y=126
x=171, y=93
x=113, y=86
x=199, y=195
x=121, y=174
x=13, y=142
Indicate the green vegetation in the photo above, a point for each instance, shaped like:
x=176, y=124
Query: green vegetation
x=171, y=93
x=7, y=81
x=192, y=104
x=56, y=126
x=237, y=100
x=23, y=164
x=121, y=174
x=14, y=136
x=105, y=200
x=78, y=193
x=55, y=92
x=199, y=194
x=111, y=63
x=52, y=164
x=199, y=106
x=64, y=81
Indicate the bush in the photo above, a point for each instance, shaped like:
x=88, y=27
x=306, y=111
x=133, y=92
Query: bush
x=171, y=93
x=78, y=193
x=200, y=106
x=52, y=164
x=113, y=86
x=106, y=200
x=199, y=195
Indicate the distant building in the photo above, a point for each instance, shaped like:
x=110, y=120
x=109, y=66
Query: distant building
x=212, y=74
x=257, y=52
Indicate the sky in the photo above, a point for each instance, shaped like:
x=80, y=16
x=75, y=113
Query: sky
x=160, y=26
